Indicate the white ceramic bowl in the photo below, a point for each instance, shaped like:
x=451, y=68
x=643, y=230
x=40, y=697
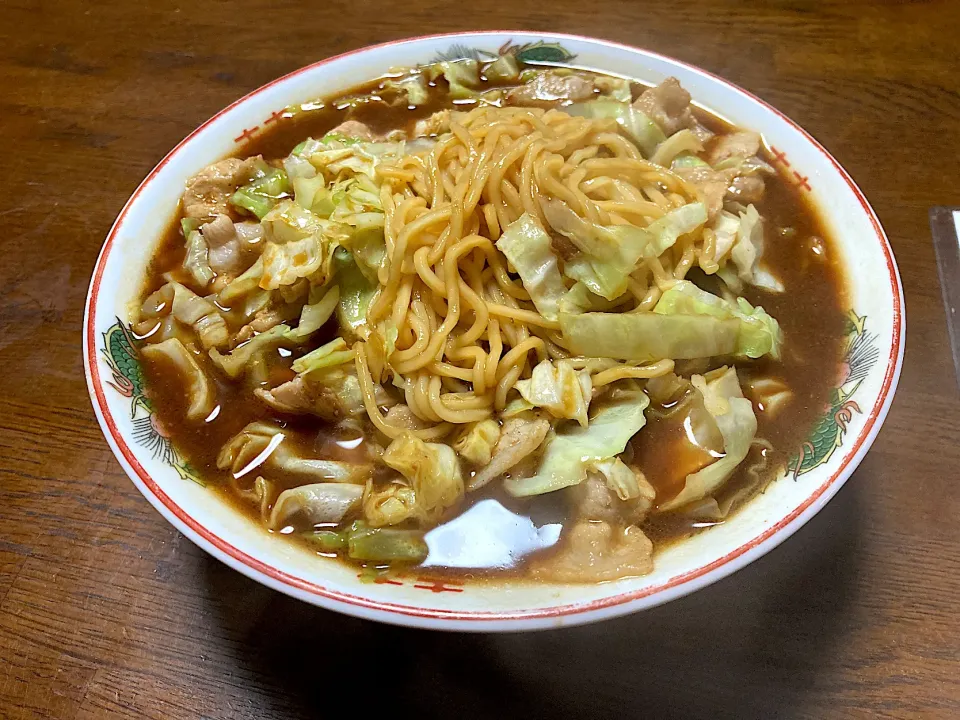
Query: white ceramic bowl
x=820, y=467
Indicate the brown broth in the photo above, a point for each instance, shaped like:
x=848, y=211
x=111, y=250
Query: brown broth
x=811, y=313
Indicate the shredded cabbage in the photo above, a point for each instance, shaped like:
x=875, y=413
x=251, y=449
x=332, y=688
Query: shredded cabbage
x=574, y=450
x=504, y=69
x=613, y=88
x=432, y=471
x=608, y=254
x=200, y=390
x=244, y=284
x=735, y=418
x=413, y=87
x=235, y=363
x=261, y=194
x=611, y=253
x=196, y=261
x=477, y=442
x=285, y=264
x=559, y=389
x=385, y=544
x=725, y=228
x=682, y=141
x=201, y=314
x=356, y=292
x=644, y=132
x=645, y=337
x=327, y=502
x=759, y=333
x=670, y=227
x=619, y=477
x=746, y=253
x=313, y=316
x=326, y=356
x=527, y=247
x=334, y=154
x=463, y=76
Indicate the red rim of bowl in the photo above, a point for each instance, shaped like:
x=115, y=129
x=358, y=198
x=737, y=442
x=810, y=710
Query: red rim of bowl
x=400, y=613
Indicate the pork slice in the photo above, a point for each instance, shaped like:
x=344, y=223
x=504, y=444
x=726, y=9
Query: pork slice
x=519, y=437
x=208, y=192
x=594, y=500
x=668, y=105
x=294, y=396
x=744, y=143
x=548, y=89
x=354, y=129
x=746, y=189
x=597, y=551
x=711, y=185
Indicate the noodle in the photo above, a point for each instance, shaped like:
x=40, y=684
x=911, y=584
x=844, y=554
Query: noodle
x=460, y=317
x=507, y=293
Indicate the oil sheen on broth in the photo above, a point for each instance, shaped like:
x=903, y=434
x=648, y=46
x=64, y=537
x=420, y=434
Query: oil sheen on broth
x=492, y=532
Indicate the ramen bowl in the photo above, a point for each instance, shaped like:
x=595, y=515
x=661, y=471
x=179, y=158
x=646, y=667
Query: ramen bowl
x=817, y=468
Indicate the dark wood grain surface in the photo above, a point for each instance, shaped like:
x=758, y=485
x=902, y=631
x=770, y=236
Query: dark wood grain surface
x=106, y=611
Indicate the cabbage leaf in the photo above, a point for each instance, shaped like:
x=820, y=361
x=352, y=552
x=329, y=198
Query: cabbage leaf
x=611, y=253
x=196, y=261
x=463, y=76
x=737, y=422
x=645, y=337
x=326, y=356
x=527, y=246
x=759, y=333
x=574, y=450
x=746, y=253
x=432, y=471
x=356, y=292
x=200, y=391
x=559, y=389
x=235, y=363
x=263, y=192
x=477, y=442
x=325, y=502
x=643, y=131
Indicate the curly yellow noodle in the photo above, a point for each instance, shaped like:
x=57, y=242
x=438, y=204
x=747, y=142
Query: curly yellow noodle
x=467, y=330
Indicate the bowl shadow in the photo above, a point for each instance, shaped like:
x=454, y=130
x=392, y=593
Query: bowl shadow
x=752, y=645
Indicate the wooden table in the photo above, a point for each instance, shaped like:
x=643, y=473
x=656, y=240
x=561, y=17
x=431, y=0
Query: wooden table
x=106, y=611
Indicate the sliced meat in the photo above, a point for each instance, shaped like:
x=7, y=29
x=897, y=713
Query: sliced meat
x=746, y=189
x=436, y=124
x=519, y=437
x=249, y=233
x=219, y=231
x=263, y=320
x=209, y=191
x=597, y=551
x=354, y=129
x=298, y=396
x=226, y=252
x=743, y=144
x=668, y=105
x=594, y=500
x=711, y=185
x=549, y=89
x=563, y=247
x=294, y=396
x=402, y=416
x=334, y=395
x=702, y=133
